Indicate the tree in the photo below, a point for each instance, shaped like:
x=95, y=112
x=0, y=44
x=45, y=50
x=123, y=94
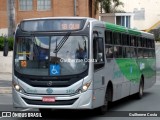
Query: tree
x=11, y=17
x=109, y=6
x=90, y=2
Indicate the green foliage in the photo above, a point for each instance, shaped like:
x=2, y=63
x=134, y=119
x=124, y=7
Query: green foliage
x=10, y=42
x=157, y=39
x=109, y=6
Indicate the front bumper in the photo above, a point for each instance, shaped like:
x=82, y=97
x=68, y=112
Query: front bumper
x=79, y=101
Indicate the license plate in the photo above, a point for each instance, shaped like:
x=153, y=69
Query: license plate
x=48, y=99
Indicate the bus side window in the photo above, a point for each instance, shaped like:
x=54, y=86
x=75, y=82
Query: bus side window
x=126, y=52
x=108, y=36
x=109, y=51
x=128, y=40
x=117, y=38
x=140, y=53
x=139, y=42
x=132, y=52
x=98, y=52
x=133, y=41
x=145, y=53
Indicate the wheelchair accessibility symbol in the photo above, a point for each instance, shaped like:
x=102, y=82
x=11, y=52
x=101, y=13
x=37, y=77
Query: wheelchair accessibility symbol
x=54, y=69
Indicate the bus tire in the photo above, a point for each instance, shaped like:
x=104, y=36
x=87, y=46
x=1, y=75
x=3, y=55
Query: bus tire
x=139, y=95
x=103, y=109
x=45, y=112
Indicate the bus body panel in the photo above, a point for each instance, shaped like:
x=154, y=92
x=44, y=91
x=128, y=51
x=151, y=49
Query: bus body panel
x=124, y=74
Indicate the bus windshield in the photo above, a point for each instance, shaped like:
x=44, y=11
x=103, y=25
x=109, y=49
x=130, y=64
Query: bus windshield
x=36, y=55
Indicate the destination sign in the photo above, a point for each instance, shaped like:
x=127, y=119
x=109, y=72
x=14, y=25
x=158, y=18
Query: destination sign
x=46, y=25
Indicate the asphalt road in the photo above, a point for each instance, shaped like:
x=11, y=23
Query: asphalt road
x=149, y=102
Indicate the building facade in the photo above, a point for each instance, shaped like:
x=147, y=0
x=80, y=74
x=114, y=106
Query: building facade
x=140, y=14
x=123, y=19
x=25, y=9
x=146, y=13
x=3, y=17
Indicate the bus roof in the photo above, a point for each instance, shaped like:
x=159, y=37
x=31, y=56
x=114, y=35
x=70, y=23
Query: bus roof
x=114, y=27
x=122, y=29
x=57, y=18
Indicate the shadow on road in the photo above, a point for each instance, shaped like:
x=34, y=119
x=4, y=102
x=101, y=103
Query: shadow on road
x=90, y=114
x=126, y=101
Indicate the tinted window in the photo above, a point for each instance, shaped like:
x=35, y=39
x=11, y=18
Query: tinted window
x=145, y=53
x=140, y=52
x=109, y=51
x=108, y=39
x=126, y=52
x=117, y=38
x=133, y=52
x=118, y=52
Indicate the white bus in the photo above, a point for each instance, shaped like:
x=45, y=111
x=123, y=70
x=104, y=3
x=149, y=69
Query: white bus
x=79, y=63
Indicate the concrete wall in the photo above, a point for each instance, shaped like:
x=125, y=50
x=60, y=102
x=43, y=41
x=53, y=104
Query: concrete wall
x=6, y=63
x=110, y=19
x=58, y=8
x=3, y=32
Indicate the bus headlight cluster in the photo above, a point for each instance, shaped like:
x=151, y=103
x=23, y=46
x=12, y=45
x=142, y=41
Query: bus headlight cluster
x=83, y=88
x=86, y=86
x=18, y=87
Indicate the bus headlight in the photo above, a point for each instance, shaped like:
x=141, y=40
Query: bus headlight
x=83, y=88
x=86, y=86
x=18, y=88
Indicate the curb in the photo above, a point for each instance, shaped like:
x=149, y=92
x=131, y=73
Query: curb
x=5, y=90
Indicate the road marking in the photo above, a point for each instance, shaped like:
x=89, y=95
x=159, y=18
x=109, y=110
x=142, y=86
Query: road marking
x=26, y=109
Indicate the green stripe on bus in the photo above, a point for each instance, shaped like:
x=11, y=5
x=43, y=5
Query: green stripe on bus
x=130, y=68
x=122, y=29
x=134, y=32
x=114, y=27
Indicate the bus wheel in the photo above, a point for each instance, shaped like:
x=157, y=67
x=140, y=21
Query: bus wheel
x=139, y=95
x=45, y=112
x=103, y=109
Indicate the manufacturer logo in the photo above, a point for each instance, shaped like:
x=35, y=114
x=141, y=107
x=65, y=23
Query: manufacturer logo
x=49, y=91
x=50, y=83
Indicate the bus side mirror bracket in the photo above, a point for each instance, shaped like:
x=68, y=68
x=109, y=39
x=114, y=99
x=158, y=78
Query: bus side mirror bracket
x=98, y=53
x=5, y=48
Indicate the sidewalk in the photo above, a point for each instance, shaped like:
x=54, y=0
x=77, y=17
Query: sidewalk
x=5, y=83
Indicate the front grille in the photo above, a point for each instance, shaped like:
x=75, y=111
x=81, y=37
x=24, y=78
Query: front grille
x=60, y=81
x=57, y=102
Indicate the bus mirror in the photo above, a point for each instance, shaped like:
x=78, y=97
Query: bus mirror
x=5, y=48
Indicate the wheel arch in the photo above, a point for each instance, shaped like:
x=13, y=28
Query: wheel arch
x=109, y=89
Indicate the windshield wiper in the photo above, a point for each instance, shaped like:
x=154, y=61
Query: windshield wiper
x=61, y=43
